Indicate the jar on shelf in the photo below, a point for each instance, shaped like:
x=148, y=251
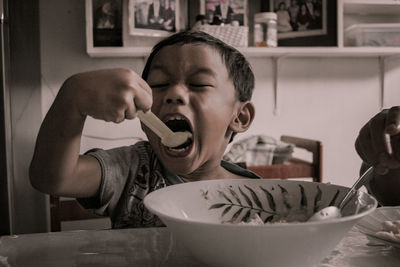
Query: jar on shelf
x=265, y=29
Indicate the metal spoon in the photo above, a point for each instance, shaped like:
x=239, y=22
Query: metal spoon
x=168, y=137
x=332, y=212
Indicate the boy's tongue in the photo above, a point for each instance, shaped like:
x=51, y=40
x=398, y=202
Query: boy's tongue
x=182, y=131
x=188, y=142
x=183, y=149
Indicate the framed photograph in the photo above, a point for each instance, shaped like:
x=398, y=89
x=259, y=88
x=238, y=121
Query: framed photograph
x=300, y=18
x=105, y=20
x=224, y=11
x=153, y=17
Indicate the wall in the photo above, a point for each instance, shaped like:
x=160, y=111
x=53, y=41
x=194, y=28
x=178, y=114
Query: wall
x=323, y=98
x=327, y=99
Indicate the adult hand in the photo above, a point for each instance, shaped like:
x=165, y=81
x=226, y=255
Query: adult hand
x=378, y=142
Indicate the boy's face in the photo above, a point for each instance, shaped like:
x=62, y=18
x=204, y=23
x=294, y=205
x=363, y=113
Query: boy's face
x=192, y=89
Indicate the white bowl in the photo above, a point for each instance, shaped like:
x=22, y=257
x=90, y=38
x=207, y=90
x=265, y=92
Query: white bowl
x=199, y=214
x=372, y=224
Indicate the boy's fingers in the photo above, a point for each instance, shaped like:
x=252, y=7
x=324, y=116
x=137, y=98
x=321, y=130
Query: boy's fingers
x=142, y=101
x=130, y=112
x=141, y=98
x=144, y=85
x=137, y=103
x=392, y=126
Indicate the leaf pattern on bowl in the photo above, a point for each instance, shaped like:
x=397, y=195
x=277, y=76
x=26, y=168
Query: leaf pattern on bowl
x=334, y=199
x=238, y=205
x=254, y=197
x=246, y=208
x=303, y=200
x=270, y=198
x=317, y=199
x=285, y=196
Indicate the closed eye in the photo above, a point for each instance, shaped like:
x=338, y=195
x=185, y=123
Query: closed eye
x=200, y=85
x=160, y=85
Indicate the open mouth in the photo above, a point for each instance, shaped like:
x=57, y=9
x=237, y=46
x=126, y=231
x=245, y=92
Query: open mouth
x=180, y=124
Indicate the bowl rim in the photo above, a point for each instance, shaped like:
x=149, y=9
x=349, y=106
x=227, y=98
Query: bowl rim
x=388, y=208
x=274, y=225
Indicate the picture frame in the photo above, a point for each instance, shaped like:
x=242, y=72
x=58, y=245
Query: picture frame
x=300, y=18
x=104, y=22
x=153, y=17
x=225, y=11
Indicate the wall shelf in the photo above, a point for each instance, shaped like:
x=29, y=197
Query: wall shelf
x=137, y=51
x=264, y=52
x=346, y=9
x=320, y=52
x=376, y=8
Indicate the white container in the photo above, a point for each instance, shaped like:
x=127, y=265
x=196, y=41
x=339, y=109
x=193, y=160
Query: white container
x=265, y=29
x=259, y=35
x=382, y=34
x=236, y=36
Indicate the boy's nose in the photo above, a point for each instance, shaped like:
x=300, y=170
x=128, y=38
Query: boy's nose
x=177, y=94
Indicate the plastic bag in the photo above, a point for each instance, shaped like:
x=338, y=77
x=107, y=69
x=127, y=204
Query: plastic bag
x=259, y=150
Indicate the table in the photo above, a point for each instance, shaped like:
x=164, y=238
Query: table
x=155, y=247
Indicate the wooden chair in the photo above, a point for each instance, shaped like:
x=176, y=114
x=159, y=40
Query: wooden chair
x=67, y=210
x=295, y=168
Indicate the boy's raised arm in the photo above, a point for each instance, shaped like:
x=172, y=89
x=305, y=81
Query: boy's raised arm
x=111, y=95
x=378, y=144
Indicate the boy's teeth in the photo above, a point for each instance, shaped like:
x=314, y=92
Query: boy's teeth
x=176, y=117
x=178, y=150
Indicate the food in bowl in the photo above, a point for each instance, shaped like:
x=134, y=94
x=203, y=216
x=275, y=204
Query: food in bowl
x=253, y=210
x=207, y=217
x=257, y=221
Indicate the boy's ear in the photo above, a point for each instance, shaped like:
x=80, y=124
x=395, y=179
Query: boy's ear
x=243, y=117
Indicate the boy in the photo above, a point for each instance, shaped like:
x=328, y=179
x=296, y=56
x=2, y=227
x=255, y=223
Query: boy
x=378, y=144
x=191, y=81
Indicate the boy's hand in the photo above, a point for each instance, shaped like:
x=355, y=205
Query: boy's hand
x=378, y=142
x=110, y=95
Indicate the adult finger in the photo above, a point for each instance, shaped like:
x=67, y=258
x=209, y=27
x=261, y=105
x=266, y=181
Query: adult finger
x=392, y=126
x=381, y=170
x=360, y=150
x=364, y=146
x=379, y=140
x=395, y=141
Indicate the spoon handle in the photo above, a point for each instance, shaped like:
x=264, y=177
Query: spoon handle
x=365, y=178
x=154, y=123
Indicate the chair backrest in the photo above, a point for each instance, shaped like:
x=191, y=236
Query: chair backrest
x=67, y=210
x=295, y=168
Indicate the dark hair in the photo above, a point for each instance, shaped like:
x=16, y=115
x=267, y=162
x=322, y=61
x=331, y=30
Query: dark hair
x=238, y=67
